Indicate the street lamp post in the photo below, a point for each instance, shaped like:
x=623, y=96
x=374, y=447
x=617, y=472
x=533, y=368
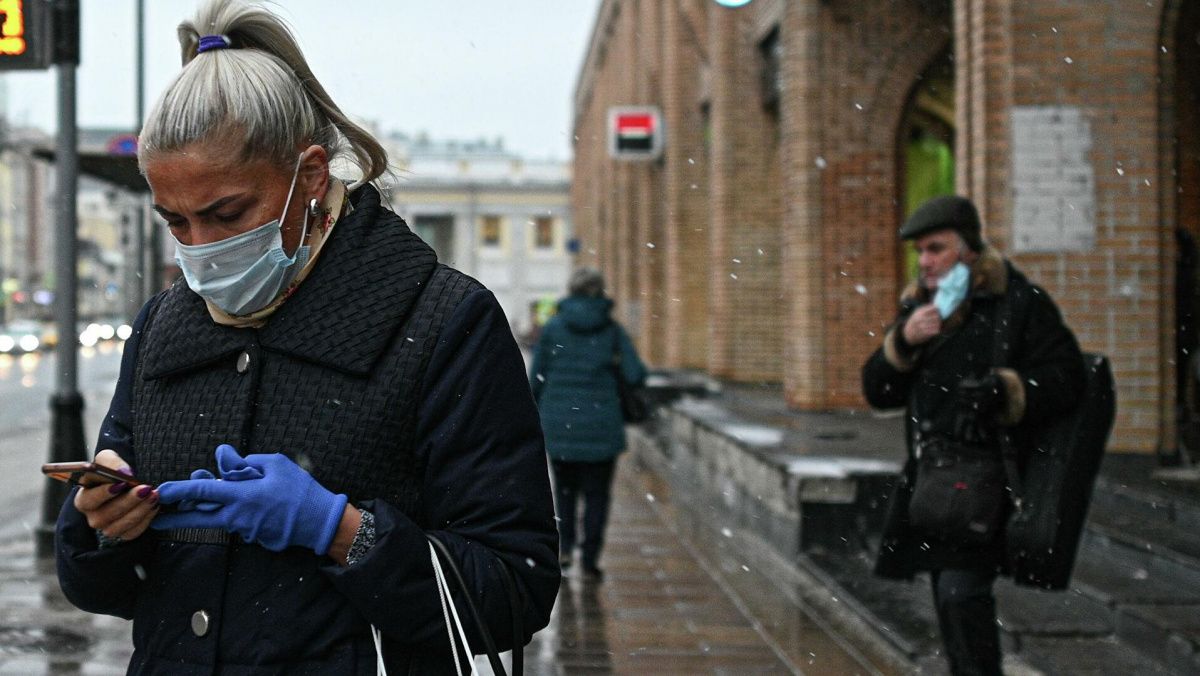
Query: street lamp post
x=66, y=404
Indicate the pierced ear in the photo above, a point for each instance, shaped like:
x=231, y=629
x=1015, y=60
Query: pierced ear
x=314, y=171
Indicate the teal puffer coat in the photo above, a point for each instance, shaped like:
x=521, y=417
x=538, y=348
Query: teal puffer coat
x=574, y=381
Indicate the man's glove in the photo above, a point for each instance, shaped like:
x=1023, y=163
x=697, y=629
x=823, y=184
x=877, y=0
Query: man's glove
x=265, y=498
x=979, y=405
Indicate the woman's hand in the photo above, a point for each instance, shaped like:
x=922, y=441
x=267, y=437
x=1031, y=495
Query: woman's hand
x=120, y=511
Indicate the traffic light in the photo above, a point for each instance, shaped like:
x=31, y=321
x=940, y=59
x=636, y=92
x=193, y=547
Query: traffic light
x=25, y=36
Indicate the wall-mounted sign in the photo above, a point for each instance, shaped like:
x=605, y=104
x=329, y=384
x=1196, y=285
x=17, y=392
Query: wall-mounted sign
x=25, y=40
x=635, y=132
x=1053, y=183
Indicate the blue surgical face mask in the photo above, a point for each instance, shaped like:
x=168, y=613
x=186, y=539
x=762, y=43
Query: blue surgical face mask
x=952, y=289
x=244, y=273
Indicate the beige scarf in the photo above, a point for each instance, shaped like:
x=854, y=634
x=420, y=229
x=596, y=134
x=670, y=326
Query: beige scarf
x=331, y=211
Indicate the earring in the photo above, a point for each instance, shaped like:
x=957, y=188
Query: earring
x=313, y=207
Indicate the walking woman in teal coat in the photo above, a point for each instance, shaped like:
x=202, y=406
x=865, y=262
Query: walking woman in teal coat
x=580, y=355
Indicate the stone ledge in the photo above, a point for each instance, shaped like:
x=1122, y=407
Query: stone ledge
x=771, y=477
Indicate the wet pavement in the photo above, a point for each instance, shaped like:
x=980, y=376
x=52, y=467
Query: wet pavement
x=673, y=602
x=40, y=633
x=668, y=605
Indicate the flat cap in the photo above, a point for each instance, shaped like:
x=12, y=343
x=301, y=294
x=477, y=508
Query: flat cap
x=949, y=212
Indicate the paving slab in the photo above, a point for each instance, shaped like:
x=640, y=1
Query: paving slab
x=1027, y=611
x=1089, y=657
x=1118, y=575
x=1168, y=632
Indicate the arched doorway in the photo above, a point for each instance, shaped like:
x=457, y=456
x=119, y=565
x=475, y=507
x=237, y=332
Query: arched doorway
x=925, y=145
x=1186, y=95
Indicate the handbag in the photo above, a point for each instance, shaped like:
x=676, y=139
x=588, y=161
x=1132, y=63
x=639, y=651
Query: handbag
x=1043, y=536
x=454, y=628
x=960, y=492
x=634, y=407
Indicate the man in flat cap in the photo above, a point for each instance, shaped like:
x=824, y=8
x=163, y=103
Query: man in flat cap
x=980, y=357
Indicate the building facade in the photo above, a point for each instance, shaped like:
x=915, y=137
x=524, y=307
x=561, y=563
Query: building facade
x=490, y=213
x=761, y=246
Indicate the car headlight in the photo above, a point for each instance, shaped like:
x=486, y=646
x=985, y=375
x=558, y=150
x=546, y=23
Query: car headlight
x=28, y=342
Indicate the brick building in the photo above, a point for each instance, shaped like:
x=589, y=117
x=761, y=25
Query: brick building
x=762, y=246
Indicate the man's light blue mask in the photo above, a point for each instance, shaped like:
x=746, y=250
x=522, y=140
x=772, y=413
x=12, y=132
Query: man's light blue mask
x=952, y=289
x=244, y=273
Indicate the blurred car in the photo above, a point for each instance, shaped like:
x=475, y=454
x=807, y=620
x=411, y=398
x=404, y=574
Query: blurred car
x=22, y=335
x=103, y=329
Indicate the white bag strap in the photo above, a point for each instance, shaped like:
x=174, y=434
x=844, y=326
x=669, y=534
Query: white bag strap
x=448, y=603
x=448, y=611
x=380, y=667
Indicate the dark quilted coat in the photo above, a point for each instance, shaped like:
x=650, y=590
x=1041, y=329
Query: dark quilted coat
x=390, y=378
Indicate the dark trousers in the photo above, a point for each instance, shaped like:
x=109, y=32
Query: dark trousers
x=592, y=481
x=966, y=611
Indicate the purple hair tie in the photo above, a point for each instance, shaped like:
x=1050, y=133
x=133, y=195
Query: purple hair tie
x=209, y=42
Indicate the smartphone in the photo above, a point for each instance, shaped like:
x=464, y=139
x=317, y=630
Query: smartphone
x=86, y=474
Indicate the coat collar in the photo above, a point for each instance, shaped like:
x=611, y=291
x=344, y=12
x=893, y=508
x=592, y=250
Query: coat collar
x=343, y=316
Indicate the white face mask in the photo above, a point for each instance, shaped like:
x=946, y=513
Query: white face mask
x=952, y=289
x=244, y=273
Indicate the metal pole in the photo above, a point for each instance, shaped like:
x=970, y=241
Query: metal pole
x=154, y=241
x=66, y=404
x=144, y=287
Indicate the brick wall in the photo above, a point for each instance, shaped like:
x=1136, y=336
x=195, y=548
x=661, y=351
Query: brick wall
x=1101, y=58
x=745, y=194
x=855, y=65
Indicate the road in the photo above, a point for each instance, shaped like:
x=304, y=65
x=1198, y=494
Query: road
x=26, y=383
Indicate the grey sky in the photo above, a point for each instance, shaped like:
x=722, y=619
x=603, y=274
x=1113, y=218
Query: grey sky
x=461, y=69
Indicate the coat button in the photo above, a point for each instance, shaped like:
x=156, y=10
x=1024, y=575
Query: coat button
x=200, y=622
x=243, y=362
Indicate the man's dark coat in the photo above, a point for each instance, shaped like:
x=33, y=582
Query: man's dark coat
x=1043, y=378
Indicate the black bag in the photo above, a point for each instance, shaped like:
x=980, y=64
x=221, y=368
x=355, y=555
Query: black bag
x=960, y=494
x=1052, y=494
x=634, y=407
x=1043, y=535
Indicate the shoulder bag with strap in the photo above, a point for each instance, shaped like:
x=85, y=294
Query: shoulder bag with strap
x=961, y=490
x=634, y=408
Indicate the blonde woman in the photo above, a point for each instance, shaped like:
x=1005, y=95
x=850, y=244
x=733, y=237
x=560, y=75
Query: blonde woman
x=311, y=400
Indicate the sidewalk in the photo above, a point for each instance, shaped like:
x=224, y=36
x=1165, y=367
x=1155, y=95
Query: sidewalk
x=667, y=606
x=671, y=604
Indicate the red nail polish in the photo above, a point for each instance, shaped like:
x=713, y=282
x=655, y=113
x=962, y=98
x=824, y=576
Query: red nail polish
x=144, y=491
x=117, y=488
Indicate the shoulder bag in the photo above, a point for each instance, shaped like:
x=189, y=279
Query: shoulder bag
x=634, y=408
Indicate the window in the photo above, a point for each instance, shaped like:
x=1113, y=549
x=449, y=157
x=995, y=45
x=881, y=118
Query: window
x=543, y=232
x=437, y=230
x=489, y=231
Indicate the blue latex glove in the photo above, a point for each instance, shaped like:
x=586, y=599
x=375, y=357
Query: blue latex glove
x=190, y=505
x=265, y=498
